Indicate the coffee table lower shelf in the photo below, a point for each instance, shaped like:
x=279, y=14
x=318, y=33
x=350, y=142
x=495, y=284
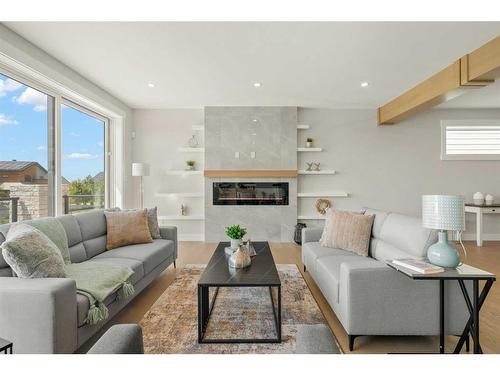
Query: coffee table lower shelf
x=205, y=307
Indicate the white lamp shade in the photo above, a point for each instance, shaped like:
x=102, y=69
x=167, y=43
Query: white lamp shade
x=140, y=169
x=444, y=212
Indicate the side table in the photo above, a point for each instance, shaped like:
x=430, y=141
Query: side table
x=461, y=274
x=480, y=210
x=5, y=346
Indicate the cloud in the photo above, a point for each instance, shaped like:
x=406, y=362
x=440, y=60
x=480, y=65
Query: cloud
x=8, y=85
x=4, y=120
x=81, y=156
x=31, y=96
x=74, y=134
x=41, y=148
x=100, y=144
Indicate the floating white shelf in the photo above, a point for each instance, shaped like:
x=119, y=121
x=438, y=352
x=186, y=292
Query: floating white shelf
x=309, y=149
x=180, y=217
x=323, y=171
x=191, y=149
x=180, y=195
x=198, y=127
x=302, y=127
x=318, y=195
x=183, y=172
x=308, y=217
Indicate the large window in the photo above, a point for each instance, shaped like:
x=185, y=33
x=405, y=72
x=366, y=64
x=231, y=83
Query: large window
x=26, y=152
x=470, y=140
x=49, y=164
x=83, y=148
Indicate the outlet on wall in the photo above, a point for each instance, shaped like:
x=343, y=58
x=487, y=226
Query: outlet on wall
x=252, y=154
x=237, y=154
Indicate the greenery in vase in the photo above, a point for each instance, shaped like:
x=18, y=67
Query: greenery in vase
x=190, y=163
x=309, y=140
x=235, y=232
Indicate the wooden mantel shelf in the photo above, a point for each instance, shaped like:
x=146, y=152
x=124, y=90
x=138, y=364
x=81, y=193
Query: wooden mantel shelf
x=251, y=173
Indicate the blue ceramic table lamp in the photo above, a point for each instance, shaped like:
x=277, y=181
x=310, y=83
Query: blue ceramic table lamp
x=443, y=212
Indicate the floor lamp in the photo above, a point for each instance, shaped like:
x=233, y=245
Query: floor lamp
x=140, y=170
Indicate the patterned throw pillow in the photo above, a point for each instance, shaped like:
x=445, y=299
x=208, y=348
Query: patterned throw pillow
x=154, y=228
x=348, y=231
x=127, y=228
x=31, y=254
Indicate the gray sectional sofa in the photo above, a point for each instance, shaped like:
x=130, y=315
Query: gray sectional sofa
x=47, y=315
x=369, y=297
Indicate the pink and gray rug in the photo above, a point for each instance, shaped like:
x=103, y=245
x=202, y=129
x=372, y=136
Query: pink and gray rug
x=170, y=326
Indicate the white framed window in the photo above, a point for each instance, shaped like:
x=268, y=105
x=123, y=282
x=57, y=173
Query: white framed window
x=107, y=137
x=470, y=139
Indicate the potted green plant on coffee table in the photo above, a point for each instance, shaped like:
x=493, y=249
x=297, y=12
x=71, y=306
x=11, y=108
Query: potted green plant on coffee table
x=235, y=233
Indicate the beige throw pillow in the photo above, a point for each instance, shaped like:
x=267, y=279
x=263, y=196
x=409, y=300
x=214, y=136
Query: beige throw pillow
x=348, y=231
x=127, y=228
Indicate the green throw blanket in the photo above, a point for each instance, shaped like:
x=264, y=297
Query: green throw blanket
x=95, y=280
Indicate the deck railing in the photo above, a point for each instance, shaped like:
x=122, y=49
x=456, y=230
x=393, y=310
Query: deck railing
x=10, y=209
x=76, y=203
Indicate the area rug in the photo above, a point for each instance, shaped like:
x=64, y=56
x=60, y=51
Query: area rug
x=171, y=325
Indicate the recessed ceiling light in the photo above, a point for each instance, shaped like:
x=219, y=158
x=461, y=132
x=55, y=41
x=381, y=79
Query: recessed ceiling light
x=364, y=84
x=151, y=85
x=254, y=120
x=256, y=84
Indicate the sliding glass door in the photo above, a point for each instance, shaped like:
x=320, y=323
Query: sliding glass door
x=26, y=152
x=84, y=161
x=48, y=145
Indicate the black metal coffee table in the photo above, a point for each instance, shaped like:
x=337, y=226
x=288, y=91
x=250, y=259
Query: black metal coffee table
x=217, y=274
x=5, y=346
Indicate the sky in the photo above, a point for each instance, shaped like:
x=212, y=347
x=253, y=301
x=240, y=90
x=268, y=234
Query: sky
x=23, y=132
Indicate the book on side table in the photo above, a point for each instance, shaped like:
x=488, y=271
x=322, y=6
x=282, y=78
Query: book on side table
x=417, y=265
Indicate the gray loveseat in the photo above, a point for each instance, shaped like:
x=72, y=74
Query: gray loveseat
x=369, y=297
x=47, y=315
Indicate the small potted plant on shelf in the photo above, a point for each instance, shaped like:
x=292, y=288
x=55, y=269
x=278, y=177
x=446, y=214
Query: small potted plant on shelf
x=190, y=165
x=309, y=142
x=235, y=233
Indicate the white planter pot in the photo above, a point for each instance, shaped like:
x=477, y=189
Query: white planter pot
x=309, y=144
x=235, y=244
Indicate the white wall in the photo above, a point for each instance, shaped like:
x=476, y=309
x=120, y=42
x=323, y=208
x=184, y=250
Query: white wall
x=390, y=167
x=387, y=167
x=158, y=135
x=29, y=55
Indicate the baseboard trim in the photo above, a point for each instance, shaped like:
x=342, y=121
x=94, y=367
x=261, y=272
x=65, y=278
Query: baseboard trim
x=485, y=236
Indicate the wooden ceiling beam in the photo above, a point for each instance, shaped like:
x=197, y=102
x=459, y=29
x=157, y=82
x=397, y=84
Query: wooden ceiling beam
x=476, y=69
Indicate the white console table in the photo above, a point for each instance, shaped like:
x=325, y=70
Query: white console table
x=479, y=211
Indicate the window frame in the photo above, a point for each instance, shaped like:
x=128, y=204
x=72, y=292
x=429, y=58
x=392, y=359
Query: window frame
x=471, y=123
x=114, y=182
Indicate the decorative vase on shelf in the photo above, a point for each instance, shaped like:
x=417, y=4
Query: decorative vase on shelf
x=309, y=144
x=478, y=198
x=489, y=200
x=193, y=142
x=239, y=259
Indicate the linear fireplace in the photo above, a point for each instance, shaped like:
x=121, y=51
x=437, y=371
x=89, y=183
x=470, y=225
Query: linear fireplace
x=250, y=193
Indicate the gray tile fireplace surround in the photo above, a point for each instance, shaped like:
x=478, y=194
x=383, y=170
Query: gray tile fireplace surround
x=270, y=132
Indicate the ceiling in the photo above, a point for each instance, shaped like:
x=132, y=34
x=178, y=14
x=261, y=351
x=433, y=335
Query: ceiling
x=298, y=64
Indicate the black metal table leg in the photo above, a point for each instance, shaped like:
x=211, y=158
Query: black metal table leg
x=441, y=316
x=203, y=311
x=475, y=316
x=474, y=308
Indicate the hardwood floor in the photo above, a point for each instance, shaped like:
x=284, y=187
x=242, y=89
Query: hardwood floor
x=486, y=257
